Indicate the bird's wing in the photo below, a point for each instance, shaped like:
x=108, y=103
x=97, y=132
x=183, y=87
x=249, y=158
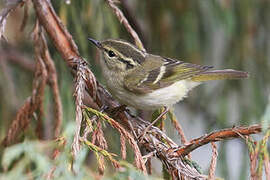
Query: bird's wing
x=161, y=72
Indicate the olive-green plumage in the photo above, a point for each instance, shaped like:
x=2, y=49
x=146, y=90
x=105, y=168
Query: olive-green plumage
x=149, y=81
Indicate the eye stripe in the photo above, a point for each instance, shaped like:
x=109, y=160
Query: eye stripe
x=125, y=49
x=129, y=62
x=129, y=45
x=129, y=65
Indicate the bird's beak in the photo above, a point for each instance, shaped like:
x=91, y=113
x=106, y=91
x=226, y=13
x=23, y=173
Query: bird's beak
x=95, y=42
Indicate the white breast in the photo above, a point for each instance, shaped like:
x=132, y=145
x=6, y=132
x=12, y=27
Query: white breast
x=162, y=97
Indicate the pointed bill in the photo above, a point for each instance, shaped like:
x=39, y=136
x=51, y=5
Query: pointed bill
x=95, y=42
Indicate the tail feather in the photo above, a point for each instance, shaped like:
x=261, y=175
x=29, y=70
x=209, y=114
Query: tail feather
x=219, y=75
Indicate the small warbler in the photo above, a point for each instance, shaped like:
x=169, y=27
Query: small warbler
x=146, y=81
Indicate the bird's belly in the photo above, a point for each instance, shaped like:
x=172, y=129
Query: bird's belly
x=162, y=97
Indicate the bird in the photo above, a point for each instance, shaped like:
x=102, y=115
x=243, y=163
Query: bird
x=146, y=81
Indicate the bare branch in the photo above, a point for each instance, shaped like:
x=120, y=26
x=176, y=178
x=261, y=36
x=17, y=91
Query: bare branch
x=123, y=147
x=64, y=43
x=102, y=143
x=125, y=22
x=213, y=165
x=79, y=87
x=25, y=16
x=138, y=157
x=218, y=136
x=132, y=19
x=34, y=102
x=178, y=127
x=266, y=154
x=267, y=165
x=102, y=151
x=52, y=79
x=157, y=141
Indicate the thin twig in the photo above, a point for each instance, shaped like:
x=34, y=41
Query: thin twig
x=40, y=99
x=149, y=165
x=178, y=128
x=102, y=143
x=18, y=124
x=163, y=113
x=8, y=7
x=265, y=154
x=78, y=94
x=102, y=151
x=33, y=103
x=213, y=164
x=252, y=156
x=218, y=136
x=267, y=165
x=65, y=44
x=52, y=79
x=125, y=22
x=39, y=50
x=25, y=16
x=123, y=146
x=138, y=157
x=131, y=17
x=156, y=141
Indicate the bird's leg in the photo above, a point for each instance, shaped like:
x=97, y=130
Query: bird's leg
x=150, y=125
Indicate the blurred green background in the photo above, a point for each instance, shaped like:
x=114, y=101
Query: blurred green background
x=223, y=33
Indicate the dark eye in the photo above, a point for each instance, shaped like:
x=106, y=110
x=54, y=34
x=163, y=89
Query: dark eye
x=111, y=53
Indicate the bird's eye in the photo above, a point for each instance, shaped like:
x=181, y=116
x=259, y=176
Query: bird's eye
x=111, y=53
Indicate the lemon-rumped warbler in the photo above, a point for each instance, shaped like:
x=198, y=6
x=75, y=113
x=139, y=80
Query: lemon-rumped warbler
x=146, y=81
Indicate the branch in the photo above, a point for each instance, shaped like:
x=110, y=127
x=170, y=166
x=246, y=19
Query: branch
x=33, y=103
x=123, y=132
x=125, y=22
x=178, y=127
x=234, y=132
x=157, y=141
x=64, y=43
x=52, y=80
x=131, y=17
x=9, y=6
x=79, y=87
x=213, y=164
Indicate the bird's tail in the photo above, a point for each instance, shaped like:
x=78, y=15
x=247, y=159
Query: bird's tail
x=219, y=75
